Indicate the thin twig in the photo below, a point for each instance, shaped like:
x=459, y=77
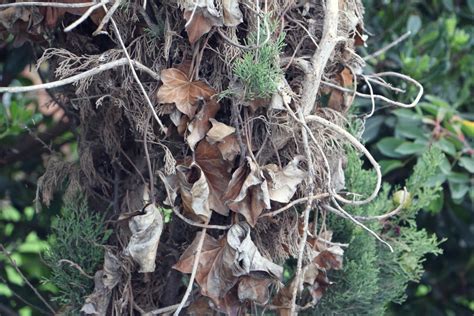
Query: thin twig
x=107, y=17
x=148, y=161
x=48, y=4
x=197, y=256
x=295, y=202
x=355, y=221
x=76, y=266
x=134, y=73
x=361, y=148
x=86, y=14
x=15, y=266
x=386, y=48
x=82, y=75
x=389, y=214
x=163, y=310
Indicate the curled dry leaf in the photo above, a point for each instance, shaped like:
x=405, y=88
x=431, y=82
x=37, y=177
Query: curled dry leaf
x=254, y=289
x=104, y=281
x=314, y=276
x=284, y=182
x=202, y=15
x=177, y=88
x=146, y=231
x=200, y=124
x=229, y=147
x=218, y=132
x=224, y=263
x=339, y=100
x=247, y=192
x=194, y=190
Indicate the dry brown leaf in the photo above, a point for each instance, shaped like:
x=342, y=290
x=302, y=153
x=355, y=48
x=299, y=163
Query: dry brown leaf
x=146, y=231
x=217, y=173
x=247, y=192
x=254, y=290
x=178, y=89
x=338, y=101
x=198, y=26
x=218, y=132
x=229, y=147
x=231, y=12
x=104, y=281
x=284, y=182
x=223, y=262
x=200, y=125
x=194, y=190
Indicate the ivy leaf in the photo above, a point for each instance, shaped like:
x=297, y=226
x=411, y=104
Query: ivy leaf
x=184, y=93
x=247, y=192
x=200, y=125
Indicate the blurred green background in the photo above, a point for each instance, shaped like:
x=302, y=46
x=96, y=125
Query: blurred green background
x=438, y=53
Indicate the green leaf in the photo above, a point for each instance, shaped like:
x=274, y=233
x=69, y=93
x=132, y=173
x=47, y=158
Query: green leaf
x=388, y=145
x=458, y=190
x=414, y=24
x=389, y=165
x=372, y=127
x=446, y=146
x=408, y=148
x=467, y=163
x=448, y=4
x=13, y=276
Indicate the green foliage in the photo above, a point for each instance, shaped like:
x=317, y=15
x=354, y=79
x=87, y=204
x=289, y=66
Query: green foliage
x=373, y=276
x=259, y=69
x=77, y=237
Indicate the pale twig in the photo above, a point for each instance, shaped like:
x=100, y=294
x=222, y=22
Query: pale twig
x=296, y=202
x=76, y=266
x=355, y=221
x=148, y=161
x=372, y=99
x=307, y=211
x=358, y=146
x=192, y=15
x=386, y=48
x=197, y=257
x=193, y=223
x=15, y=266
x=163, y=310
x=48, y=4
x=389, y=214
x=134, y=73
x=82, y=75
x=85, y=16
x=107, y=17
x=321, y=56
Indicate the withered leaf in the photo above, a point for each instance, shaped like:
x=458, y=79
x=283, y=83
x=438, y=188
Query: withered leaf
x=284, y=182
x=217, y=172
x=104, y=281
x=197, y=25
x=229, y=147
x=178, y=89
x=247, y=192
x=221, y=263
x=194, y=190
x=218, y=132
x=232, y=13
x=146, y=231
x=338, y=100
x=200, y=125
x=254, y=289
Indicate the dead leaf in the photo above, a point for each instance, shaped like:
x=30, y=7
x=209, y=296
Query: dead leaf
x=198, y=26
x=178, y=89
x=229, y=147
x=216, y=171
x=223, y=262
x=104, y=281
x=194, y=190
x=218, y=132
x=247, y=192
x=200, y=124
x=314, y=277
x=232, y=14
x=254, y=289
x=339, y=100
x=284, y=182
x=146, y=231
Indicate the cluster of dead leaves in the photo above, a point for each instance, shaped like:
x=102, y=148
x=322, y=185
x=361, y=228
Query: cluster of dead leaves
x=30, y=22
x=202, y=15
x=231, y=270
